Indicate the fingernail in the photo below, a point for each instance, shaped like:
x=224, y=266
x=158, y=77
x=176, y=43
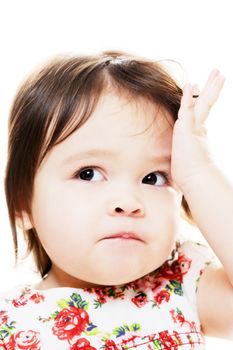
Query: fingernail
x=195, y=91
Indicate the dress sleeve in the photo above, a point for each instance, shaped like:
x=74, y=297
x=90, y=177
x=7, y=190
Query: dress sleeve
x=196, y=257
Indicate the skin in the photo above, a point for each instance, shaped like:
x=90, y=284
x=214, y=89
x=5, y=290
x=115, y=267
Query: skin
x=73, y=216
x=209, y=194
x=151, y=211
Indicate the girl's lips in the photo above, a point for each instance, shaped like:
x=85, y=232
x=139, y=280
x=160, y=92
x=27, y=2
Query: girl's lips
x=124, y=235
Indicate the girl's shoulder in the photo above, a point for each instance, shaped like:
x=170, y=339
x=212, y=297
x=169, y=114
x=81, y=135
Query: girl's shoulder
x=17, y=292
x=195, y=255
x=193, y=258
x=199, y=253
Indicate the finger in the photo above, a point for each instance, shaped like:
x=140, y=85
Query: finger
x=213, y=85
x=187, y=100
x=186, y=110
x=208, y=96
x=195, y=92
x=213, y=74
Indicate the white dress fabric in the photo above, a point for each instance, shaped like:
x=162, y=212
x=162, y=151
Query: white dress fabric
x=157, y=311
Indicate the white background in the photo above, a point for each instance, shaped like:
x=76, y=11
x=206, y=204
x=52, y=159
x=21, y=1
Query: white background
x=198, y=34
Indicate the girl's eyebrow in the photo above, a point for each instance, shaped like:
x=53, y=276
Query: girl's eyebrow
x=106, y=153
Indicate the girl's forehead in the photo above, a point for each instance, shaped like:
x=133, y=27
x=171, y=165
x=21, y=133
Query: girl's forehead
x=120, y=123
x=122, y=113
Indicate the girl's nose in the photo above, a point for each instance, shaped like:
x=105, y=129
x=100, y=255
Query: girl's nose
x=128, y=207
x=135, y=212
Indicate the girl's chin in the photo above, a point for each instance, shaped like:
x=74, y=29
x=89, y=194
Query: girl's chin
x=120, y=276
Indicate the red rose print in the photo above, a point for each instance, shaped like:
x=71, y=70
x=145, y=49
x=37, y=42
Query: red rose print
x=24, y=340
x=26, y=296
x=167, y=341
x=172, y=272
x=151, y=283
x=177, y=337
x=162, y=296
x=101, y=296
x=110, y=345
x=19, y=302
x=201, y=271
x=70, y=322
x=3, y=317
x=177, y=269
x=82, y=344
x=180, y=318
x=129, y=341
x=23, y=299
x=102, y=300
x=2, y=345
x=159, y=283
x=106, y=293
x=185, y=263
x=37, y=298
x=140, y=300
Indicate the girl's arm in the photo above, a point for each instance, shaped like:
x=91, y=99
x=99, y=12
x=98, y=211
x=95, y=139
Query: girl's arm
x=211, y=205
x=210, y=197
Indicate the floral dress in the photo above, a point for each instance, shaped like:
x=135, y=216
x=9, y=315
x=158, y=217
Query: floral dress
x=157, y=311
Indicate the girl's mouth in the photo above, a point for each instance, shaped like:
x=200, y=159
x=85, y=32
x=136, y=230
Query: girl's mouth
x=124, y=235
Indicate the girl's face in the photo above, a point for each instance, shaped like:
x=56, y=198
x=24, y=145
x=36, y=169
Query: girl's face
x=102, y=207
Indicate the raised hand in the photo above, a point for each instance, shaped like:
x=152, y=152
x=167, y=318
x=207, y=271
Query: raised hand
x=191, y=154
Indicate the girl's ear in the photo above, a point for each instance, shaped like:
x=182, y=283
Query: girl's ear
x=23, y=221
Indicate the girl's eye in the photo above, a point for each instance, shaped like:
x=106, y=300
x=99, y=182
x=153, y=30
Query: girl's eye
x=89, y=174
x=92, y=174
x=157, y=178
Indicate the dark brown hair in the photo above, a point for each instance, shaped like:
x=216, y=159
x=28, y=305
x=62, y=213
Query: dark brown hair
x=56, y=101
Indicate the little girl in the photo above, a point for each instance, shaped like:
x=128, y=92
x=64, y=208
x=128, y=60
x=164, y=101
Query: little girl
x=105, y=154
